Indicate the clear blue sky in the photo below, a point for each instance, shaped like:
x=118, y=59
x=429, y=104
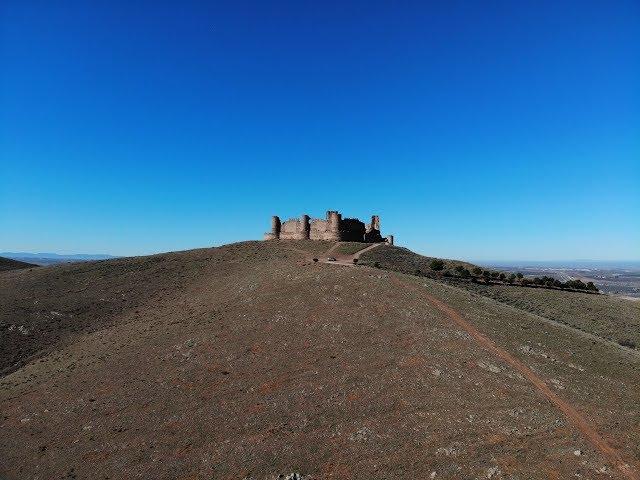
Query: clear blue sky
x=479, y=130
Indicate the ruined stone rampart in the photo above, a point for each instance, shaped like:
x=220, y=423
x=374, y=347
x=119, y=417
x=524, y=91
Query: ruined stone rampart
x=333, y=227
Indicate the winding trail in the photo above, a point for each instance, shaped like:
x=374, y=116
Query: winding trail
x=570, y=412
x=347, y=260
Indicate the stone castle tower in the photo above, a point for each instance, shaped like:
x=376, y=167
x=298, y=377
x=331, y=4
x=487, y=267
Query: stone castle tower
x=333, y=227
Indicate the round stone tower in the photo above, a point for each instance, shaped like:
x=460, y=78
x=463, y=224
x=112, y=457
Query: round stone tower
x=306, y=227
x=375, y=222
x=274, y=234
x=333, y=225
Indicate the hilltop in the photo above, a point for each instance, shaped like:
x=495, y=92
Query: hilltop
x=251, y=361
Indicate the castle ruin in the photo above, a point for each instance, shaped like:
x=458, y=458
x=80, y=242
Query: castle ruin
x=334, y=227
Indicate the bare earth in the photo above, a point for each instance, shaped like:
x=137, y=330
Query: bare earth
x=251, y=361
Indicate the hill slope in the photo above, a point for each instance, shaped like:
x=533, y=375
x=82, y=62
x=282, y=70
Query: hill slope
x=10, y=264
x=608, y=317
x=251, y=361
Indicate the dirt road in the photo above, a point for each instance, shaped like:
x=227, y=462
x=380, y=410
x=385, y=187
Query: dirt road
x=346, y=260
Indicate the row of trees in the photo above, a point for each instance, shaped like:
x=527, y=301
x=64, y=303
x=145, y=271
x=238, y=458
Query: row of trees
x=477, y=273
x=512, y=278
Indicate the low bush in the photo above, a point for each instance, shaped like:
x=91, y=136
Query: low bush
x=625, y=342
x=436, y=265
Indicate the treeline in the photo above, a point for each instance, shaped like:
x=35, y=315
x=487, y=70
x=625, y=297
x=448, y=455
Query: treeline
x=489, y=276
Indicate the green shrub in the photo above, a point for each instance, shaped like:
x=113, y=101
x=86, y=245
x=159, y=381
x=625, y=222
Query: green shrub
x=576, y=284
x=477, y=271
x=625, y=342
x=436, y=265
x=519, y=275
x=591, y=286
x=512, y=278
x=502, y=276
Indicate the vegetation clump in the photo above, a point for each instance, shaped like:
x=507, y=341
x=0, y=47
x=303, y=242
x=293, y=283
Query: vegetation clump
x=436, y=265
x=625, y=342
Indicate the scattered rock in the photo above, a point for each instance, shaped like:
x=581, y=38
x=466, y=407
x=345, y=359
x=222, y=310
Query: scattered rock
x=526, y=349
x=490, y=367
x=361, y=435
x=449, y=451
x=493, y=472
x=293, y=476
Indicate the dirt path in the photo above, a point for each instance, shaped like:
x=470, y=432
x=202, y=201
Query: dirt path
x=572, y=414
x=347, y=260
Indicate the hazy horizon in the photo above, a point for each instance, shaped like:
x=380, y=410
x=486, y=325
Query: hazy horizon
x=495, y=262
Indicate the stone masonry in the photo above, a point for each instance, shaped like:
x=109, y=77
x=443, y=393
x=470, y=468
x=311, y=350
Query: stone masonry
x=334, y=227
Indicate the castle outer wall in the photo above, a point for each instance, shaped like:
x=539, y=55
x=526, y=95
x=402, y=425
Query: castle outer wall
x=333, y=228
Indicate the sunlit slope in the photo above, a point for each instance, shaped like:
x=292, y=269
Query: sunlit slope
x=251, y=360
x=608, y=317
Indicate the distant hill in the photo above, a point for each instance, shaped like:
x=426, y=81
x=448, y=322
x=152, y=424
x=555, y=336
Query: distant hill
x=53, y=258
x=253, y=361
x=11, y=264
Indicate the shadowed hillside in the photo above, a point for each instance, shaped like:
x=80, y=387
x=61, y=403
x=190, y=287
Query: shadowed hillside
x=10, y=264
x=252, y=361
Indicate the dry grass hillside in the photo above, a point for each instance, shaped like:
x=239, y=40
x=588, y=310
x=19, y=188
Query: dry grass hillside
x=608, y=317
x=403, y=260
x=250, y=361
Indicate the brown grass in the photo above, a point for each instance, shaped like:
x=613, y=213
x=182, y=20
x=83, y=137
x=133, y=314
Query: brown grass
x=250, y=360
